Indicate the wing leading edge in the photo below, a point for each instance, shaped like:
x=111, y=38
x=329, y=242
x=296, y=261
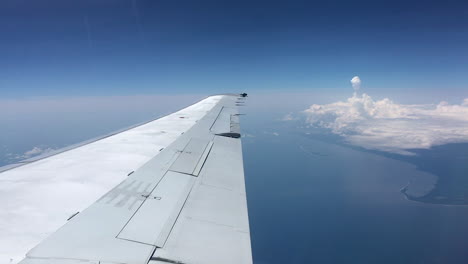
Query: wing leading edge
x=185, y=205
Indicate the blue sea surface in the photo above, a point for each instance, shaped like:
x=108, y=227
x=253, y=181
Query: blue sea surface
x=313, y=200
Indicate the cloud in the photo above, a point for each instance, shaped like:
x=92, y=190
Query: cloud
x=289, y=117
x=356, y=83
x=388, y=126
x=34, y=152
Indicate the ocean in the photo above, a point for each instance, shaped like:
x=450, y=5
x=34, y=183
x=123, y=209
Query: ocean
x=314, y=199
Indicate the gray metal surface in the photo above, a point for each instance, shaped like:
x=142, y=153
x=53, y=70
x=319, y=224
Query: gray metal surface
x=163, y=212
x=190, y=156
x=223, y=121
x=213, y=226
x=154, y=219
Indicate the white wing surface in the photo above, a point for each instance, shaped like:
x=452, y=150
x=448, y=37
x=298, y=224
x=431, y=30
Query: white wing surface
x=177, y=195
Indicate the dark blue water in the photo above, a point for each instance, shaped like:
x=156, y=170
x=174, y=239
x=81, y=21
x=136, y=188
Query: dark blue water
x=313, y=201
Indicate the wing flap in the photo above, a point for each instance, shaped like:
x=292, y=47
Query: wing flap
x=190, y=157
x=213, y=226
x=154, y=219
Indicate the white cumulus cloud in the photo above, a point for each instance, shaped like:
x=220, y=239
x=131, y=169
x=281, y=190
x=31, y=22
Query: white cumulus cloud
x=388, y=126
x=356, y=83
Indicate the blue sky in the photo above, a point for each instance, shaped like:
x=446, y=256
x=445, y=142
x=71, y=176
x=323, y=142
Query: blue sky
x=89, y=48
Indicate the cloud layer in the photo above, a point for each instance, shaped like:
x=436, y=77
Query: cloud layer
x=388, y=126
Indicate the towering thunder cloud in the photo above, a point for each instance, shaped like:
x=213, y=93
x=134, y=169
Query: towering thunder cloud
x=356, y=83
x=388, y=126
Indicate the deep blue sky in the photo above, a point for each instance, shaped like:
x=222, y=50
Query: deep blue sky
x=124, y=47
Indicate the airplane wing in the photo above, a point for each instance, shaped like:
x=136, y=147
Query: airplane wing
x=177, y=195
